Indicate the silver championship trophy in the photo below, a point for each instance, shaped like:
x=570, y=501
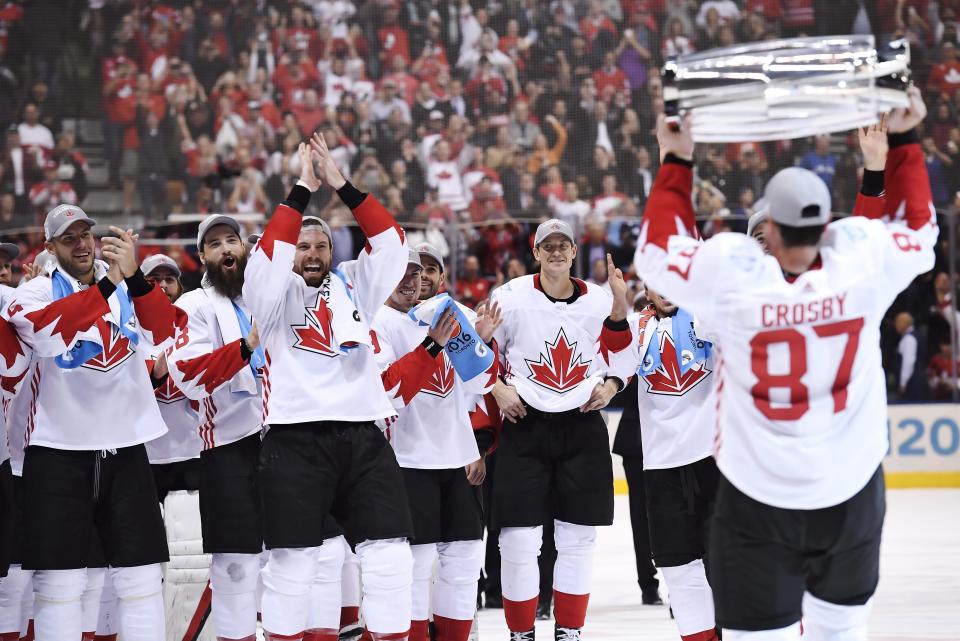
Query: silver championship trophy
x=788, y=88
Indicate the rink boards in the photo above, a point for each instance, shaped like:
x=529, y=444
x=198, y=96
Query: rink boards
x=924, y=446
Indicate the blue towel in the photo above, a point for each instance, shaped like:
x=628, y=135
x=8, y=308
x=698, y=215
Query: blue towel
x=257, y=358
x=689, y=348
x=467, y=353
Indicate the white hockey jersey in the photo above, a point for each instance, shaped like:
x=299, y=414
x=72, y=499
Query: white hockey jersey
x=555, y=354
x=107, y=402
x=206, y=367
x=182, y=441
x=678, y=412
x=802, y=398
x=320, y=361
x=433, y=429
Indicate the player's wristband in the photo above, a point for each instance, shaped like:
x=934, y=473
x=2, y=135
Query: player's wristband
x=620, y=384
x=872, y=183
x=432, y=347
x=674, y=159
x=905, y=138
x=350, y=195
x=137, y=284
x=298, y=198
x=245, y=351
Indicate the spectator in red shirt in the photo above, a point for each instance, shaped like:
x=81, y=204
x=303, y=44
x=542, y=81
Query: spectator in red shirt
x=310, y=114
x=393, y=39
x=945, y=75
x=51, y=191
x=294, y=75
x=406, y=83
x=486, y=93
x=472, y=287
x=598, y=29
x=609, y=78
x=940, y=372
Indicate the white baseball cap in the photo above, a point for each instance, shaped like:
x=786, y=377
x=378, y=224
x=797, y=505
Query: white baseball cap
x=314, y=221
x=413, y=257
x=61, y=217
x=550, y=227
x=159, y=260
x=426, y=249
x=761, y=213
x=797, y=197
x=213, y=220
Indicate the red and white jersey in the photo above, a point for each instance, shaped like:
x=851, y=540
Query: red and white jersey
x=107, y=402
x=182, y=441
x=16, y=366
x=14, y=362
x=313, y=372
x=445, y=178
x=802, y=398
x=206, y=367
x=555, y=353
x=433, y=428
x=678, y=413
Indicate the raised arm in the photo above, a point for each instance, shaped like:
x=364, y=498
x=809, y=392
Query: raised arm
x=670, y=255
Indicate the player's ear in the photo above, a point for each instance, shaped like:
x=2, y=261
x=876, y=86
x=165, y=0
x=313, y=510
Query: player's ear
x=574, y=245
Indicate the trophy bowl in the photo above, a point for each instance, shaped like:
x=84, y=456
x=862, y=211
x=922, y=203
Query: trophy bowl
x=789, y=88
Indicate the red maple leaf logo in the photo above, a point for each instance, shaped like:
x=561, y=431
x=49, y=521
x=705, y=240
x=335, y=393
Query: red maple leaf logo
x=315, y=335
x=667, y=379
x=116, y=348
x=561, y=368
x=444, y=175
x=168, y=392
x=441, y=382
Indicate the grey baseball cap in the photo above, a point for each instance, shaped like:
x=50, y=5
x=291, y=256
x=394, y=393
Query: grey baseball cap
x=211, y=221
x=553, y=226
x=413, y=257
x=314, y=221
x=761, y=213
x=797, y=197
x=61, y=217
x=426, y=249
x=9, y=250
x=159, y=260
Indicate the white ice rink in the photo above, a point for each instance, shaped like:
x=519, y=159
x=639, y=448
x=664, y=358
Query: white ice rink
x=918, y=598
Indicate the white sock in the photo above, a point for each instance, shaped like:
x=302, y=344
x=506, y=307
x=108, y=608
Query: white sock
x=386, y=573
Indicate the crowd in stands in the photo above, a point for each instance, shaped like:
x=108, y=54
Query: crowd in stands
x=491, y=114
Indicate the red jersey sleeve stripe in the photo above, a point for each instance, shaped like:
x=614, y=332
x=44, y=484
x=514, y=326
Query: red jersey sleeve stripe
x=373, y=217
x=72, y=314
x=283, y=226
x=669, y=199
x=869, y=206
x=410, y=373
x=158, y=315
x=214, y=369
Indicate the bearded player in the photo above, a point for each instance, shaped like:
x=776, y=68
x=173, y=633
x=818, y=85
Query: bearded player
x=323, y=454
x=559, y=342
x=802, y=398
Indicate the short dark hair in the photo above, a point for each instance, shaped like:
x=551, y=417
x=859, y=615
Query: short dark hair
x=800, y=236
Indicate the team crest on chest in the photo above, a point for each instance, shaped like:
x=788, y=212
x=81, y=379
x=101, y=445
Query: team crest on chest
x=441, y=382
x=666, y=379
x=168, y=392
x=315, y=334
x=116, y=349
x=561, y=368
